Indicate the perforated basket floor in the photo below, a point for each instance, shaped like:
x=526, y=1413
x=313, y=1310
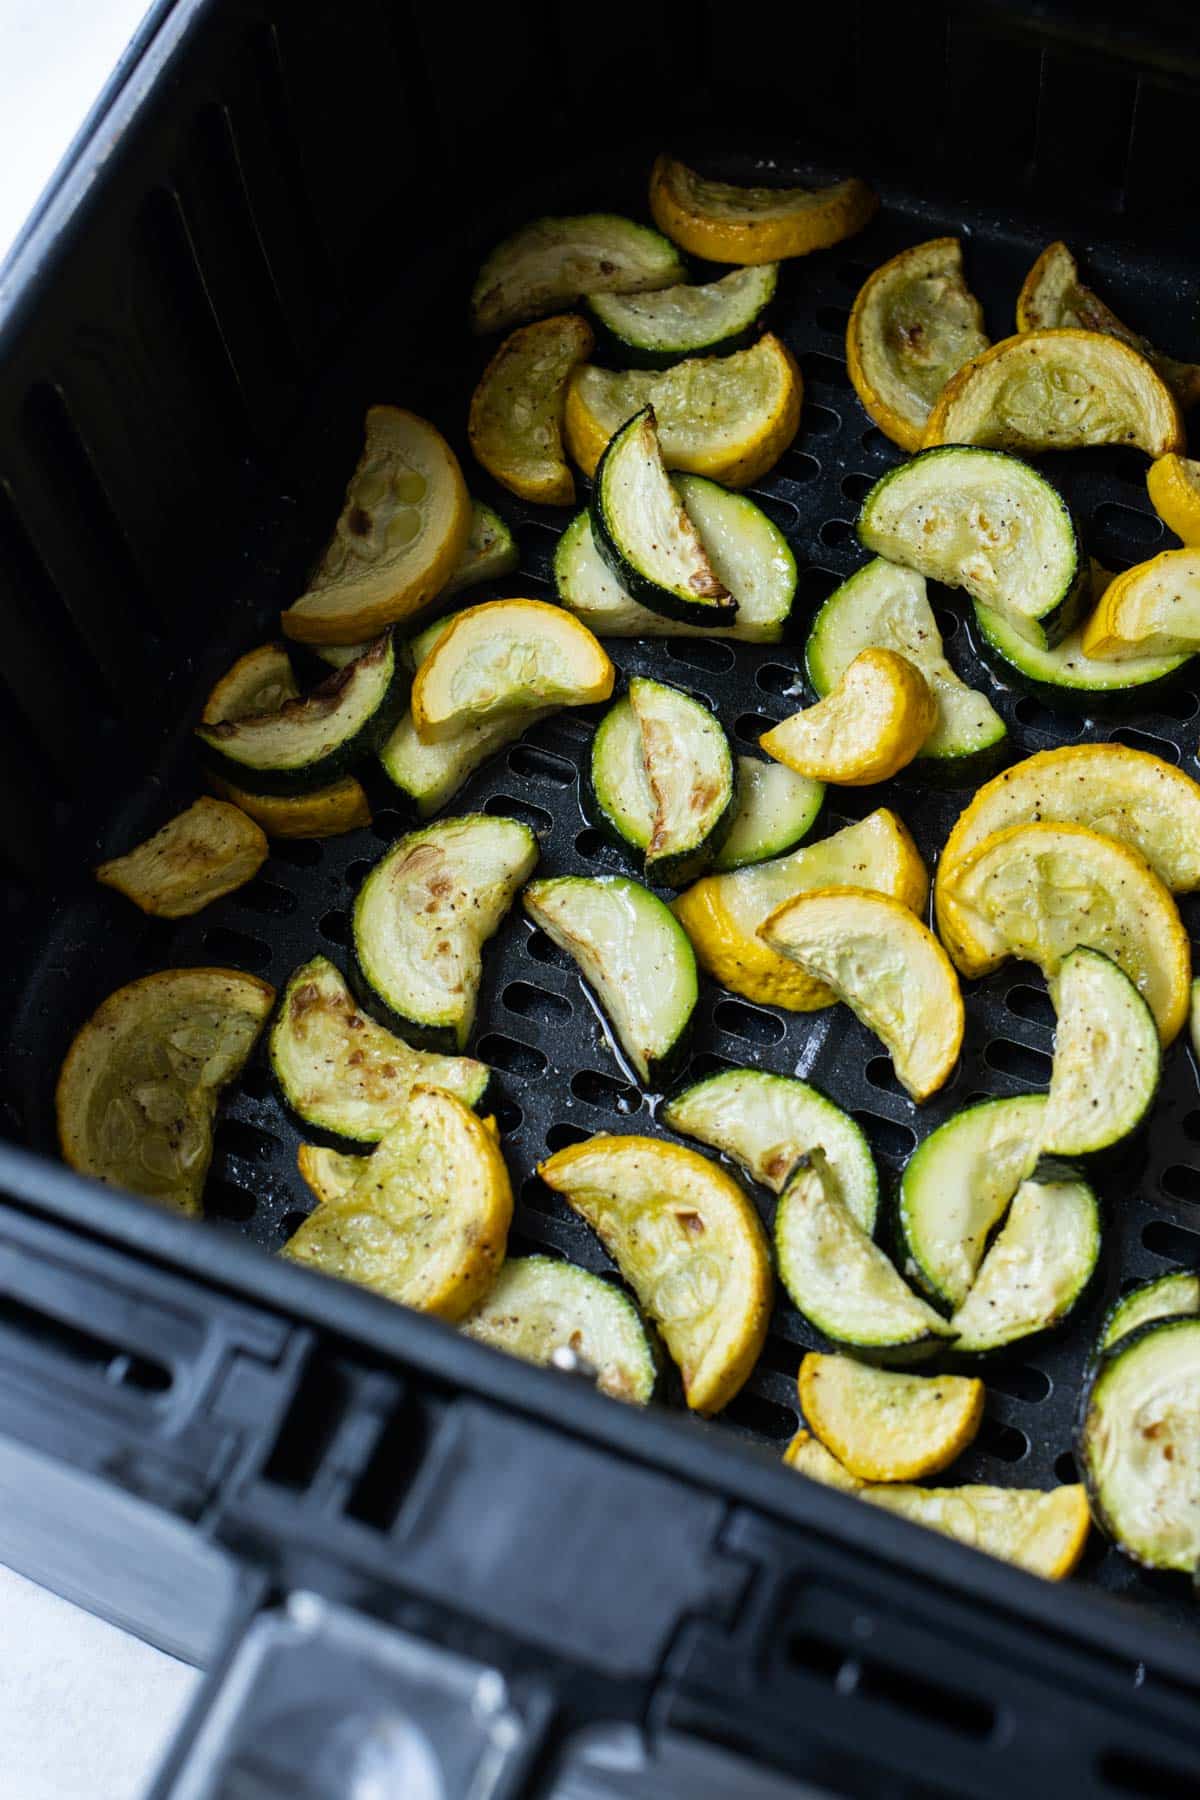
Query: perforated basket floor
x=558, y=1077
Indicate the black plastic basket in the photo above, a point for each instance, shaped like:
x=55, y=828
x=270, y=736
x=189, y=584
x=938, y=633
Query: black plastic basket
x=274, y=222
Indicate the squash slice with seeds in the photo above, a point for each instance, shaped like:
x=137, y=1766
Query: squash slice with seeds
x=209, y=850
x=726, y=223
x=884, y=1425
x=503, y=659
x=869, y=726
x=516, y=418
x=1152, y=609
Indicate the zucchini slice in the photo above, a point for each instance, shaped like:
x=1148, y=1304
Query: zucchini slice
x=503, y=658
x=868, y=727
x=1043, y=1533
x=885, y=607
x=138, y=1089
x=1038, y=1266
x=540, y=1305
x=426, y=910
x=983, y=521
x=1053, y=297
x=401, y=534
x=208, y=850
x=1127, y=794
x=642, y=530
x=1152, y=609
x=878, y=957
x=728, y=417
x=1107, y=1058
x=1173, y=484
x=327, y=812
x=692, y=777
x=957, y=1186
x=1065, y=677
x=914, y=323
x=767, y=1123
x=725, y=223
x=749, y=554
x=329, y=1174
x=1039, y=891
x=1058, y=390
x=426, y=1222
x=652, y=331
x=1170, y=1297
x=722, y=913
x=809, y=1455
x=883, y=1425
x=690, y=1245
x=1139, y=1444
x=841, y=1281
x=430, y=775
x=663, y=780
x=776, y=809
x=553, y=262
x=515, y=424
x=634, y=956
x=307, y=743
x=490, y=553
x=342, y=1072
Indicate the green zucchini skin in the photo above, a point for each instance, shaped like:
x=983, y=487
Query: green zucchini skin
x=1133, y=1345
x=1172, y=1296
x=1089, y=976
x=380, y=664
x=632, y=341
x=610, y=541
x=1042, y=673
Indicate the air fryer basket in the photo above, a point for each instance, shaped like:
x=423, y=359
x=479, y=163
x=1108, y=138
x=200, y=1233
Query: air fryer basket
x=288, y=235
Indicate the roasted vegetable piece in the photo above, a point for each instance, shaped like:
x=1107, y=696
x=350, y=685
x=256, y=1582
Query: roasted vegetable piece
x=884, y=1425
x=1107, y=1058
x=552, y=262
x=503, y=658
x=208, y=850
x=690, y=1245
x=1152, y=609
x=914, y=323
x=1038, y=1267
x=1171, y=1296
x=868, y=727
x=138, y=1090
x=540, y=1305
x=725, y=223
x=652, y=331
x=517, y=409
x=401, y=534
x=1173, y=484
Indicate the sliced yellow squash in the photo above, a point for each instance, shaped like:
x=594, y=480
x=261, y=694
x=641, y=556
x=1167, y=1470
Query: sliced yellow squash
x=329, y=1174
x=869, y=726
x=1053, y=296
x=517, y=409
x=886, y=1426
x=208, y=850
x=506, y=657
x=728, y=417
x=1126, y=794
x=328, y=812
x=729, y=224
x=1038, y=891
x=401, y=533
x=889, y=969
x=809, y=1455
x=690, y=1245
x=914, y=323
x=1152, y=609
x=138, y=1089
x=722, y=913
x=1058, y=390
x=426, y=1221
x=1043, y=1533
x=1173, y=484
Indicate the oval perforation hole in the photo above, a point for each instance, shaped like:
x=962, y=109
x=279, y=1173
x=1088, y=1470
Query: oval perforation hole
x=707, y=1063
x=224, y=1199
x=1180, y=1182
x=540, y=765
x=1191, y=1126
x=511, y=1055
x=1026, y=1002
x=335, y=928
x=1173, y=1242
x=878, y=443
x=543, y=949
x=356, y=873
x=749, y=1023
x=830, y=370
x=540, y=1198
x=536, y=1003
x=267, y=897
x=882, y=1075
x=1030, y=711
x=1018, y=1060
x=816, y=584
x=856, y=487
x=1119, y=524
x=819, y=421
x=505, y=807
x=1002, y=1441
x=605, y=1092
x=774, y=678
x=301, y=853
x=750, y=727
x=388, y=824
x=234, y=1137
x=560, y=1136
x=887, y=1137
x=237, y=947
x=799, y=466
x=290, y=1224
x=1178, y=703
x=507, y=1114
x=257, y=1081
x=700, y=653
x=1144, y=740
x=593, y=846
x=1021, y=1382
x=836, y=532
x=782, y=512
